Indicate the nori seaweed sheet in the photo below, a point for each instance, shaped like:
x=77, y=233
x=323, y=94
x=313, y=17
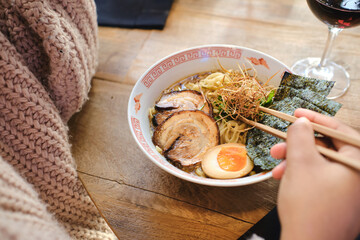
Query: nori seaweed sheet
x=308, y=95
x=321, y=87
x=294, y=92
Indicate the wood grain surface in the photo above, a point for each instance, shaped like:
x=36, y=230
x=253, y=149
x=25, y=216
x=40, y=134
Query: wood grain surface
x=141, y=201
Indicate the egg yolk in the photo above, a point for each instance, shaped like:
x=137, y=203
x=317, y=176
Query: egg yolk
x=232, y=158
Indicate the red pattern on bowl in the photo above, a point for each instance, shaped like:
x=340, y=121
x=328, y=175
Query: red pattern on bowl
x=186, y=56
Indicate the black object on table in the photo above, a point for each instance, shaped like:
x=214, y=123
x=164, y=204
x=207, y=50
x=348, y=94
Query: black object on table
x=267, y=228
x=145, y=14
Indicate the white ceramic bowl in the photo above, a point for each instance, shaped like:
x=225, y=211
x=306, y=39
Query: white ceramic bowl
x=182, y=64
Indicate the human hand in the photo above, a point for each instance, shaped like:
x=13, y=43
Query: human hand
x=318, y=198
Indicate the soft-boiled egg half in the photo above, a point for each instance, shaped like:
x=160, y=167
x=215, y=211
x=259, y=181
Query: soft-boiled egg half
x=226, y=161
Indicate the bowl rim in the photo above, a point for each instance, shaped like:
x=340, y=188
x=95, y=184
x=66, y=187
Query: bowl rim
x=188, y=177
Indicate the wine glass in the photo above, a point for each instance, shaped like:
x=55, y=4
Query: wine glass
x=337, y=15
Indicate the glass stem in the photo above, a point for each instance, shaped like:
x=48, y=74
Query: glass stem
x=332, y=34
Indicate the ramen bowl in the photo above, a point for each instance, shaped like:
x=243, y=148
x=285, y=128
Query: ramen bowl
x=178, y=66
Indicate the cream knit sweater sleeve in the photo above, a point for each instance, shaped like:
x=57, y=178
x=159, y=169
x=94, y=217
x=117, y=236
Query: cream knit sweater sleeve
x=48, y=51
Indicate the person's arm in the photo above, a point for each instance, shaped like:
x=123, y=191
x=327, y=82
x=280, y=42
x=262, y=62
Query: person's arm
x=22, y=214
x=318, y=198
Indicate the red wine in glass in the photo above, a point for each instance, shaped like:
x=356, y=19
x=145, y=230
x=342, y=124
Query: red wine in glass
x=337, y=15
x=341, y=13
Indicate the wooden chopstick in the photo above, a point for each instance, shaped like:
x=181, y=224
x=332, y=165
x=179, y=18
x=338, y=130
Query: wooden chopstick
x=355, y=141
x=350, y=162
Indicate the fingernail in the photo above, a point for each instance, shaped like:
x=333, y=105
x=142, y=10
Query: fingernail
x=303, y=120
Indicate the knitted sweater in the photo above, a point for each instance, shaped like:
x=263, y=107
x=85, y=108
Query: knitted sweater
x=48, y=51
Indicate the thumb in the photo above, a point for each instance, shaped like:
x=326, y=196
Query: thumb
x=300, y=143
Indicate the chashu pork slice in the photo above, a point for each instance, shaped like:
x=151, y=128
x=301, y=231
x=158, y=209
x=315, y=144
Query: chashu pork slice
x=180, y=100
x=185, y=136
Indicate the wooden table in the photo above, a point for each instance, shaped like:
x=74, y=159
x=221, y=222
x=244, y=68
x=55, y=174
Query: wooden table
x=141, y=201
